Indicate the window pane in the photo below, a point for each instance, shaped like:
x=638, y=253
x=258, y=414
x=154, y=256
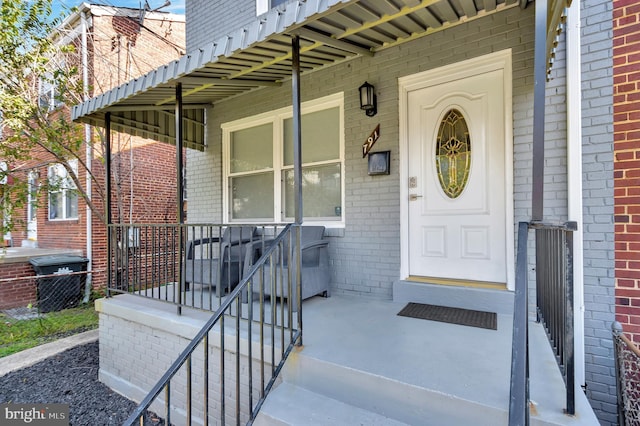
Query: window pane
x=55, y=205
x=320, y=136
x=453, y=153
x=252, y=149
x=252, y=196
x=71, y=205
x=74, y=167
x=321, y=192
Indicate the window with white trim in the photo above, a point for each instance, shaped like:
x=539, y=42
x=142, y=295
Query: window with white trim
x=63, y=196
x=258, y=166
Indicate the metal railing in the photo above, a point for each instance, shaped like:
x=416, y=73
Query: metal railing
x=233, y=376
x=519, y=394
x=188, y=265
x=627, y=359
x=554, y=309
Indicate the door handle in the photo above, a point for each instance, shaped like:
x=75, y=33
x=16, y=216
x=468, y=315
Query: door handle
x=414, y=197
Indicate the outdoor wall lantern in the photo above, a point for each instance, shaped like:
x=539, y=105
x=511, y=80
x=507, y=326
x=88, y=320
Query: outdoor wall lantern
x=368, y=99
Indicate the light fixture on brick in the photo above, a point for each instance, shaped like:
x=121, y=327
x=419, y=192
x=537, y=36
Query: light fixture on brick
x=368, y=99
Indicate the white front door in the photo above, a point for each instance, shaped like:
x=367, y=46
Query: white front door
x=456, y=178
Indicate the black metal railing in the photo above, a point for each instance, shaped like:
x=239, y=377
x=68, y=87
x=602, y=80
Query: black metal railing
x=188, y=265
x=554, y=296
x=554, y=309
x=627, y=359
x=519, y=395
x=233, y=376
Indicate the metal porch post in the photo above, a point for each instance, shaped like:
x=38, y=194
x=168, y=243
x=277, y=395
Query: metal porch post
x=107, y=185
x=297, y=167
x=540, y=78
x=179, y=191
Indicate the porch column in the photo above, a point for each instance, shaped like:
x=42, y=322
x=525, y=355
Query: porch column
x=179, y=191
x=540, y=78
x=107, y=185
x=297, y=131
x=297, y=167
x=179, y=154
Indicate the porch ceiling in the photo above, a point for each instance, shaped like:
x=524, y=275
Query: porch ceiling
x=259, y=55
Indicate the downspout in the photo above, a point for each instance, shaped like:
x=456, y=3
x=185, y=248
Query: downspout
x=107, y=186
x=88, y=156
x=574, y=177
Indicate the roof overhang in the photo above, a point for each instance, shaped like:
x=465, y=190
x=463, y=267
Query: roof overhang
x=259, y=55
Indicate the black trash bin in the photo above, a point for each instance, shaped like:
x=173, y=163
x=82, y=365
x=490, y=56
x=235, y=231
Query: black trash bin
x=59, y=292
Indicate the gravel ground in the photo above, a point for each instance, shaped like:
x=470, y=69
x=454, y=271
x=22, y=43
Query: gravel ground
x=70, y=377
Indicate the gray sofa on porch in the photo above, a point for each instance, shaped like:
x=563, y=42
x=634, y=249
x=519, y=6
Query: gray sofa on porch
x=316, y=275
x=217, y=261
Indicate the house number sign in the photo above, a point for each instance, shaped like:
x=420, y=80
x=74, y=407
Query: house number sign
x=366, y=147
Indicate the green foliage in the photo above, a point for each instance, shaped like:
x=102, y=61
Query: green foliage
x=17, y=335
x=36, y=129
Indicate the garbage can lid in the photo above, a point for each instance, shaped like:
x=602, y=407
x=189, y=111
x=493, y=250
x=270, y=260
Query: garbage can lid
x=57, y=260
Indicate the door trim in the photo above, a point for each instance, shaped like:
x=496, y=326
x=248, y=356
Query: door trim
x=459, y=70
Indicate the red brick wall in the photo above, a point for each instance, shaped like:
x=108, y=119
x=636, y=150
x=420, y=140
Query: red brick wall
x=626, y=71
x=15, y=290
x=153, y=181
x=120, y=49
x=124, y=50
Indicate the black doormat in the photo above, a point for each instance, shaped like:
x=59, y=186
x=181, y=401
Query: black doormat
x=460, y=316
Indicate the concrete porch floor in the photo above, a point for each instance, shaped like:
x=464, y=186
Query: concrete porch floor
x=465, y=363
x=442, y=367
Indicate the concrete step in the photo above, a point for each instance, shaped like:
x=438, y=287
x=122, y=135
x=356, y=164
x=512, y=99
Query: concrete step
x=385, y=397
x=482, y=299
x=289, y=404
x=319, y=392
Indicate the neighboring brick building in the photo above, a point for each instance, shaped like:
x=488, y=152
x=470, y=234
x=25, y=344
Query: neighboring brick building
x=121, y=44
x=626, y=74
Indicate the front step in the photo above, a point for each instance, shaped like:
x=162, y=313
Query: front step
x=379, y=397
x=484, y=299
x=361, y=359
x=289, y=404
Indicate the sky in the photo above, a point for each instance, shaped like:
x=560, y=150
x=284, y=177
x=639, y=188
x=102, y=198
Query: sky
x=63, y=6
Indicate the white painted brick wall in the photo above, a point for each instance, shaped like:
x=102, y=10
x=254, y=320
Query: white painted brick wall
x=366, y=256
x=208, y=20
x=135, y=351
x=597, y=110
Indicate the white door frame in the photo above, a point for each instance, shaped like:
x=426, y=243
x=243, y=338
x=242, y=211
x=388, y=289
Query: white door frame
x=493, y=61
x=32, y=217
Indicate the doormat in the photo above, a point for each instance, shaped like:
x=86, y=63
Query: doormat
x=488, y=320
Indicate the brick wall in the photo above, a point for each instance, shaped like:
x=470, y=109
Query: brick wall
x=17, y=286
x=598, y=227
x=221, y=18
x=139, y=343
x=626, y=33
x=123, y=50
x=145, y=193
x=145, y=170
x=365, y=255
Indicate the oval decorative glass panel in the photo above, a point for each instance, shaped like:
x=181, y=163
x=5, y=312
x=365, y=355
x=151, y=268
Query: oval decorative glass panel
x=453, y=153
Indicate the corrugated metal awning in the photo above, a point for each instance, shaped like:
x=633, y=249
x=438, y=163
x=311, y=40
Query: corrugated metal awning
x=259, y=55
